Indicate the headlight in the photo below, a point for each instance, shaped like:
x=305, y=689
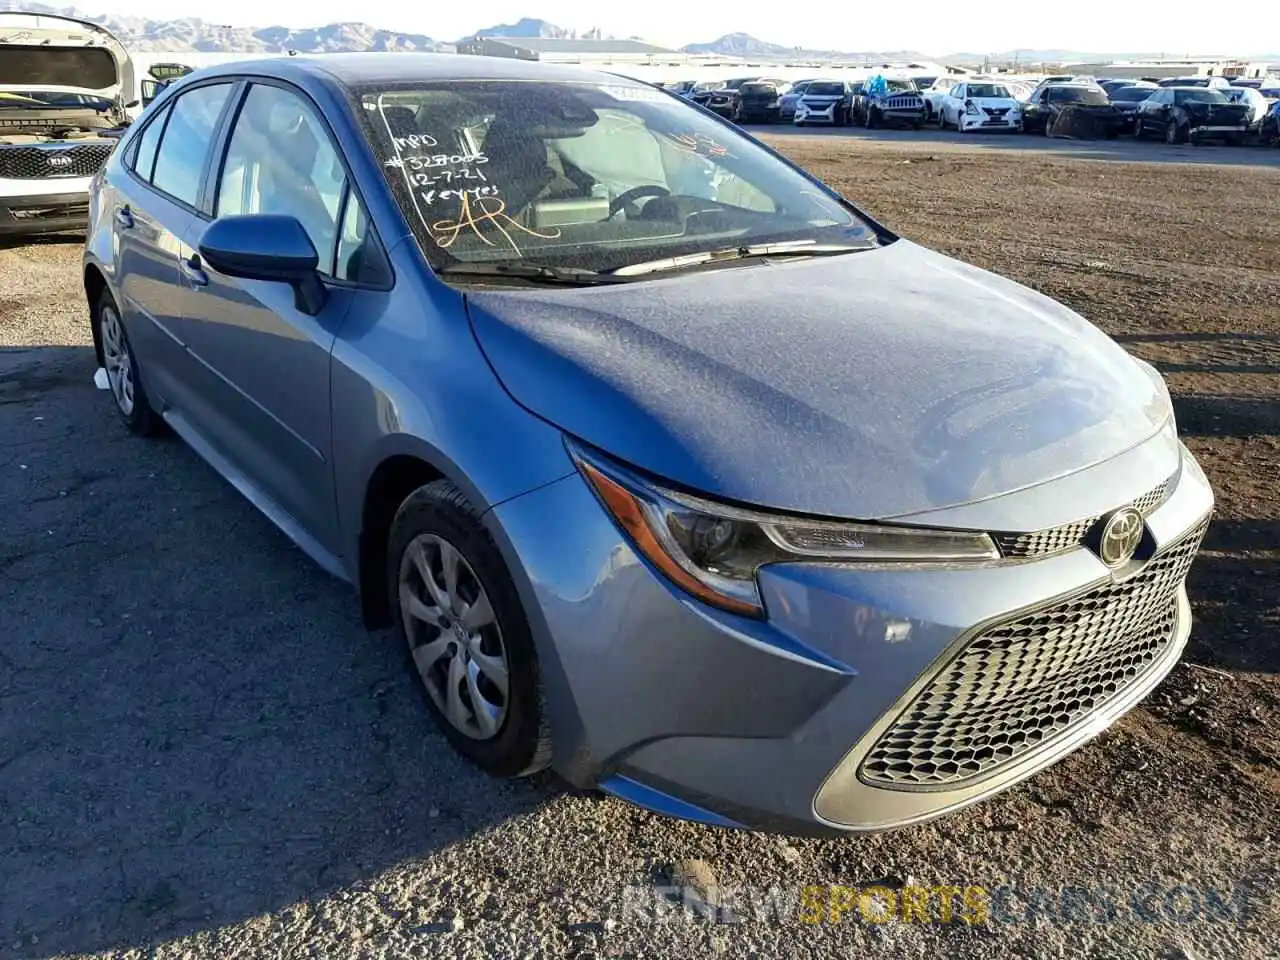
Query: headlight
x=713, y=551
x=971, y=109
x=1161, y=386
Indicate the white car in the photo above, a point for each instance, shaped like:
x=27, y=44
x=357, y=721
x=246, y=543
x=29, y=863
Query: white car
x=823, y=101
x=63, y=90
x=933, y=95
x=980, y=105
x=1257, y=103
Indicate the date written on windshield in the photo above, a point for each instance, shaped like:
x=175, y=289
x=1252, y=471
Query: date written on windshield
x=436, y=177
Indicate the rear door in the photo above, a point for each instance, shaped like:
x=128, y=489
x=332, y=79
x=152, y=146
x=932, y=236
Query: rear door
x=268, y=405
x=154, y=208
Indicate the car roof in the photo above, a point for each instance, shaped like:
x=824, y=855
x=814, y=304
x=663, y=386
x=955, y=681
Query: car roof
x=359, y=69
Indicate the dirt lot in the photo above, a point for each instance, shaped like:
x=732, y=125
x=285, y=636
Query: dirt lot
x=202, y=753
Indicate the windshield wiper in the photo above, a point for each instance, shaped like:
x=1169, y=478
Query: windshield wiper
x=536, y=272
x=794, y=248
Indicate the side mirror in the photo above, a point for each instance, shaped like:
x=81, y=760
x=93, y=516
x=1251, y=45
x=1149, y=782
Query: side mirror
x=262, y=246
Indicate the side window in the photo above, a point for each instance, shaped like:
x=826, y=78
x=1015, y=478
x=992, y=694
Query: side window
x=280, y=160
x=180, y=159
x=958, y=91
x=144, y=154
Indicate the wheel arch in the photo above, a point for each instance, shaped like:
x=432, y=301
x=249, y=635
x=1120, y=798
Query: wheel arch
x=95, y=284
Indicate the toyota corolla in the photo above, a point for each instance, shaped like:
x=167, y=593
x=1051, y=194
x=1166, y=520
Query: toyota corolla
x=669, y=466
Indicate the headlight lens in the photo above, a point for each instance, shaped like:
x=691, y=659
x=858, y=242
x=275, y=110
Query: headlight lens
x=1162, y=387
x=713, y=551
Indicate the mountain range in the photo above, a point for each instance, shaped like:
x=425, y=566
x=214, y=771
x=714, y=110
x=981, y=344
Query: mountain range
x=193, y=33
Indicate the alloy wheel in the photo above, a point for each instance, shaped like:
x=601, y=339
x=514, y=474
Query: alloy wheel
x=116, y=358
x=454, y=637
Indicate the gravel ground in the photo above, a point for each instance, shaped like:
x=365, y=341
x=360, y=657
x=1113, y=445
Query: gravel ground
x=203, y=754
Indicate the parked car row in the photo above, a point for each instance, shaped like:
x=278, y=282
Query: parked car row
x=1177, y=109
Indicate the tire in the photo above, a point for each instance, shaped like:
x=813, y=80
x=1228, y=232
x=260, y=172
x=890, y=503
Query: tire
x=443, y=648
x=869, y=120
x=942, y=120
x=130, y=399
x=1173, y=134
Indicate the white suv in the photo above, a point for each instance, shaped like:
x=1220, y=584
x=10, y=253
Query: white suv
x=63, y=87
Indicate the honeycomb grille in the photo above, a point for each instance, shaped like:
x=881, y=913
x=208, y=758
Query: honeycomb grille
x=1069, y=536
x=40, y=163
x=1022, y=683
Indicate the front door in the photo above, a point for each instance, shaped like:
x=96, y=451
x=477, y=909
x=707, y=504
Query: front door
x=269, y=409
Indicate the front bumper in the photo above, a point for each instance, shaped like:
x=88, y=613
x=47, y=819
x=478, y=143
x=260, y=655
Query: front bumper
x=28, y=208
x=1218, y=130
x=902, y=116
x=818, y=115
x=987, y=122
x=707, y=716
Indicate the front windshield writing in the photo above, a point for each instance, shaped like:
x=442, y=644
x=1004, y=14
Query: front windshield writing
x=587, y=176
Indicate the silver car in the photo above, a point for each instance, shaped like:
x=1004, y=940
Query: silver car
x=668, y=466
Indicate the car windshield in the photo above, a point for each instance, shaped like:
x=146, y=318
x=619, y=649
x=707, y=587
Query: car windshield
x=989, y=90
x=1132, y=94
x=587, y=176
x=901, y=86
x=757, y=88
x=1087, y=95
x=825, y=89
x=1199, y=96
x=44, y=99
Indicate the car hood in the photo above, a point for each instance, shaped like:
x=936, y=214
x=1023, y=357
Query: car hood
x=870, y=385
x=62, y=54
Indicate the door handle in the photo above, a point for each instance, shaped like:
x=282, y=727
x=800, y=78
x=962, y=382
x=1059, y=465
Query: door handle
x=194, y=272
x=124, y=217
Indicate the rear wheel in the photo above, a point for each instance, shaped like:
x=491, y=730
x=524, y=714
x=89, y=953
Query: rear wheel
x=466, y=633
x=122, y=372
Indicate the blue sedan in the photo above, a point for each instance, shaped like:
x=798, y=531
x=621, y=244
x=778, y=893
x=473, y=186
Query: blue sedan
x=668, y=466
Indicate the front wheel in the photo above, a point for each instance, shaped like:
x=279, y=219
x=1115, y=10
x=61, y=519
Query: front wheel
x=470, y=643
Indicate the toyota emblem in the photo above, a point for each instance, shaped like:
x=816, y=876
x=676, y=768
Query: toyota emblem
x=1120, y=537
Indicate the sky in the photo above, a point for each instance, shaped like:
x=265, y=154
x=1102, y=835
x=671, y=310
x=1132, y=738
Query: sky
x=929, y=26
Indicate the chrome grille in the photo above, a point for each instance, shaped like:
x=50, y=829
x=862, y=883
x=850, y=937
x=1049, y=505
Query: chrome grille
x=1022, y=683
x=61, y=160
x=905, y=103
x=1069, y=536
